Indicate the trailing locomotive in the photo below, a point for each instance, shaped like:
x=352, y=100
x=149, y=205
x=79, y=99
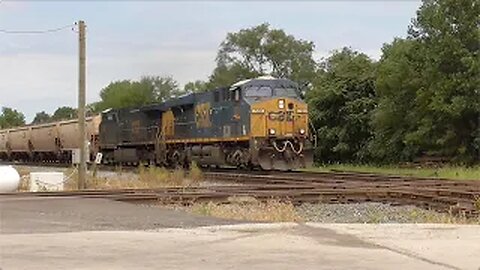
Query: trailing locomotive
x=257, y=123
x=254, y=123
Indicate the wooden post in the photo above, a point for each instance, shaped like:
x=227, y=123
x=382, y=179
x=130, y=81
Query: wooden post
x=82, y=166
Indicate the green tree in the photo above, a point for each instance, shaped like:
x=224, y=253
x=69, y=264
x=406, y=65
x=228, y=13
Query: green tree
x=41, y=117
x=341, y=104
x=11, y=118
x=148, y=90
x=224, y=75
x=64, y=113
x=162, y=88
x=196, y=87
x=119, y=94
x=261, y=50
x=449, y=31
x=432, y=79
x=398, y=80
x=93, y=108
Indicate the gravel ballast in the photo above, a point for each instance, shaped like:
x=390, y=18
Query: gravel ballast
x=369, y=213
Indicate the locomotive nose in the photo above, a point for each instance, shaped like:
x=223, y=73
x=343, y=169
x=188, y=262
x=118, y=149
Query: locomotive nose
x=279, y=117
x=280, y=128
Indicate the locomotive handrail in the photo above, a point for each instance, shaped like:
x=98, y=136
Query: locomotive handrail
x=313, y=133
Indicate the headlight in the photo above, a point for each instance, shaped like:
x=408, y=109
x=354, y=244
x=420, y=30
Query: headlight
x=302, y=111
x=302, y=131
x=258, y=111
x=271, y=131
x=281, y=104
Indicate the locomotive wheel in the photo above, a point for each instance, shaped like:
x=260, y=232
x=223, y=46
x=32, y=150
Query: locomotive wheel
x=177, y=159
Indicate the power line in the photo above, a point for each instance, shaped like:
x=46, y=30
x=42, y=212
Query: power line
x=6, y=31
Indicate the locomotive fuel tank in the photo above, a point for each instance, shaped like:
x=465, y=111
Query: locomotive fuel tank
x=207, y=155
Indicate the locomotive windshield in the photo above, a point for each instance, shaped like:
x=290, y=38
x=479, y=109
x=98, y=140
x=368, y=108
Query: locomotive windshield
x=285, y=92
x=258, y=91
x=267, y=91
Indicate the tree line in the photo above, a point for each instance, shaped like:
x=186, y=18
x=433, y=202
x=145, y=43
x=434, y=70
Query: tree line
x=422, y=97
x=12, y=118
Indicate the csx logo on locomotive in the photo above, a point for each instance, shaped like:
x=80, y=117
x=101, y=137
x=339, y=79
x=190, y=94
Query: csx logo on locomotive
x=259, y=122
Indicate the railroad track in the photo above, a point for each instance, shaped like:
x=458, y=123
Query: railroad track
x=458, y=197
x=345, y=180
x=441, y=194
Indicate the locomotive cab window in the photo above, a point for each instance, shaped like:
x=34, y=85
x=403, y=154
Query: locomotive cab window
x=255, y=91
x=285, y=92
x=235, y=94
x=112, y=117
x=225, y=94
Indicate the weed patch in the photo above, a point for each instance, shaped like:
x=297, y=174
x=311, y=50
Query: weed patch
x=249, y=209
x=477, y=202
x=146, y=177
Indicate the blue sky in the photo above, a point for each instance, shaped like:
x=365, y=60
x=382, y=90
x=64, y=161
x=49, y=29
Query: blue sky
x=126, y=40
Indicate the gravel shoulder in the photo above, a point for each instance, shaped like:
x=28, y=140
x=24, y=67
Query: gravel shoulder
x=370, y=213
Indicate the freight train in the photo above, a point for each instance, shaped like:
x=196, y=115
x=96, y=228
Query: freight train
x=256, y=123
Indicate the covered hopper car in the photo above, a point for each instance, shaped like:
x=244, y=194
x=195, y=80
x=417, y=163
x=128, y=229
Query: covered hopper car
x=47, y=142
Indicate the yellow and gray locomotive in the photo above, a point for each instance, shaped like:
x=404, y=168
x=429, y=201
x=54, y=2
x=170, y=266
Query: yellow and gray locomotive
x=260, y=123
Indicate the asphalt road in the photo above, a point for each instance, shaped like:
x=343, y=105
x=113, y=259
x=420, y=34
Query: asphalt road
x=48, y=215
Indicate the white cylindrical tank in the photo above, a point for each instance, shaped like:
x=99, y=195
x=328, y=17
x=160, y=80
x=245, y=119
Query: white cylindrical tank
x=9, y=179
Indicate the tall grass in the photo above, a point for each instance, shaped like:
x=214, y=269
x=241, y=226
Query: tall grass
x=195, y=173
x=144, y=178
x=24, y=178
x=477, y=203
x=249, y=209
